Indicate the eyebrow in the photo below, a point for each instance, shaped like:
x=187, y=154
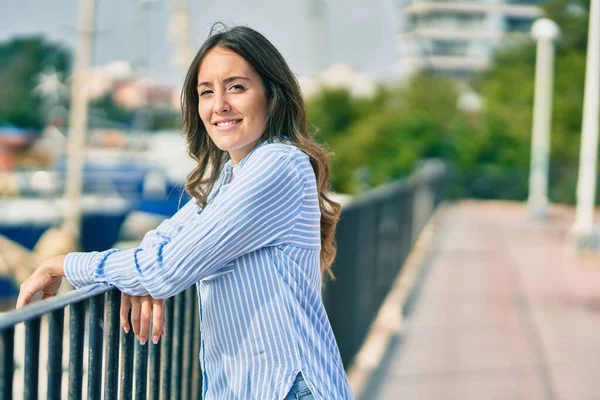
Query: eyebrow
x=227, y=80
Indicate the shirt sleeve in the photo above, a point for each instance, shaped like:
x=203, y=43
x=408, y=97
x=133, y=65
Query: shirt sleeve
x=258, y=208
x=79, y=277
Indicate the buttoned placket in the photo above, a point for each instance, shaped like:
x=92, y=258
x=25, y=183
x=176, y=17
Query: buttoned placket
x=225, y=179
x=228, y=174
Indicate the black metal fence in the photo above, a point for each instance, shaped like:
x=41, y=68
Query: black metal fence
x=116, y=366
x=374, y=237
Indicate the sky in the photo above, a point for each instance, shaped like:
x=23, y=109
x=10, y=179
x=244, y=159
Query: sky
x=360, y=33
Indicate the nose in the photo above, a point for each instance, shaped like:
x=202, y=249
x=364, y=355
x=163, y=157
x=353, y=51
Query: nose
x=221, y=104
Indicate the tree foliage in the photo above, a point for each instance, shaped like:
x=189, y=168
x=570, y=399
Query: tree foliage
x=21, y=60
x=488, y=152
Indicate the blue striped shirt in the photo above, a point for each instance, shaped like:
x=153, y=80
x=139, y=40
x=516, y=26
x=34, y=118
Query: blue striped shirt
x=253, y=253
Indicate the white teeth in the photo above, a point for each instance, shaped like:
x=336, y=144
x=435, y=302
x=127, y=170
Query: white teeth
x=227, y=123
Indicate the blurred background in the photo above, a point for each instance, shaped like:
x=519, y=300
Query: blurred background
x=388, y=84
x=455, y=79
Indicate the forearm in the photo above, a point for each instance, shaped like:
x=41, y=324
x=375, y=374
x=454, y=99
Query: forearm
x=83, y=269
x=154, y=271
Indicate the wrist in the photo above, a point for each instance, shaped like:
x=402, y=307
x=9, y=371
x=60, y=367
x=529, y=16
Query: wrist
x=55, y=266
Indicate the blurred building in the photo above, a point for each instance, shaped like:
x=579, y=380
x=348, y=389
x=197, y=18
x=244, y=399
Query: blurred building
x=143, y=92
x=358, y=83
x=457, y=37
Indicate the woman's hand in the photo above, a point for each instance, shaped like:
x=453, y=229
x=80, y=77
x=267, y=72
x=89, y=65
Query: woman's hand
x=47, y=278
x=143, y=310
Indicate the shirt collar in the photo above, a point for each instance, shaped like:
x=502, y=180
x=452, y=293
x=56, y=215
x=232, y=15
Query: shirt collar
x=229, y=167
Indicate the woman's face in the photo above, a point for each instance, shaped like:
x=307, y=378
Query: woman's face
x=232, y=102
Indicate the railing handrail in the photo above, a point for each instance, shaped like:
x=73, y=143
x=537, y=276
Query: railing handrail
x=41, y=308
x=426, y=171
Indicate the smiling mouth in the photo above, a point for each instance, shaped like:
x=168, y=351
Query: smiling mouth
x=225, y=124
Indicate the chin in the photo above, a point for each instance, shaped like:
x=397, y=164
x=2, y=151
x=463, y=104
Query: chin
x=227, y=144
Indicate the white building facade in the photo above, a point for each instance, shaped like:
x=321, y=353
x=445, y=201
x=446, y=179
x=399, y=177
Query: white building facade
x=457, y=37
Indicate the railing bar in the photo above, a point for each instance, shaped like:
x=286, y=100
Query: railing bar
x=111, y=368
x=32, y=359
x=47, y=306
x=76, y=337
x=167, y=351
x=95, y=347
x=7, y=362
x=127, y=348
x=154, y=370
x=141, y=370
x=179, y=321
x=196, y=373
x=55, y=354
x=190, y=328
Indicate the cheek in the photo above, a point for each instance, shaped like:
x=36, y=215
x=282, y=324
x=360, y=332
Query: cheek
x=259, y=111
x=204, y=113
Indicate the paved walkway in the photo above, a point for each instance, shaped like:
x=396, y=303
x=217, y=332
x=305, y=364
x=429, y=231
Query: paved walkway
x=504, y=311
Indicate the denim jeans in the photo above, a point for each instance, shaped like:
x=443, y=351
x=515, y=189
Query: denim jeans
x=299, y=390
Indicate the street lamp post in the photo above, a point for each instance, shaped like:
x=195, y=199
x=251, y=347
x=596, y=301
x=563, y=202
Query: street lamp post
x=317, y=17
x=544, y=31
x=583, y=230
x=78, y=121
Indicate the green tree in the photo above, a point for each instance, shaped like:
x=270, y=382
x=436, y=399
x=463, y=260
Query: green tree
x=21, y=60
x=488, y=152
x=388, y=133
x=507, y=88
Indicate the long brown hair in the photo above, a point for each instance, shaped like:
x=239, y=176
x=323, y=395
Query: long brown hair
x=286, y=117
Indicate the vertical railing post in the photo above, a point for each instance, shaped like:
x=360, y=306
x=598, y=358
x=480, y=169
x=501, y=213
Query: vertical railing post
x=55, y=354
x=167, y=351
x=7, y=362
x=95, y=347
x=196, y=372
x=111, y=371
x=76, y=336
x=177, y=359
x=154, y=371
x=32, y=358
x=141, y=369
x=188, y=356
x=127, y=347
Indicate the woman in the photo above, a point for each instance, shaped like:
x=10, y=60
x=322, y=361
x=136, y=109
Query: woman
x=255, y=239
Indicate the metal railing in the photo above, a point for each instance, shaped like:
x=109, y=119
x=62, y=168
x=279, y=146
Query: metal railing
x=374, y=237
x=116, y=367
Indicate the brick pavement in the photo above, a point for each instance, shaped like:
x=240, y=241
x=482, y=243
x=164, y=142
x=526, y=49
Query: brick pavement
x=505, y=311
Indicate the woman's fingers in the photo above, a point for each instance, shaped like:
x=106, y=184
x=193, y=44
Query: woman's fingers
x=28, y=289
x=40, y=280
x=144, y=310
x=136, y=310
x=145, y=318
x=158, y=319
x=125, y=306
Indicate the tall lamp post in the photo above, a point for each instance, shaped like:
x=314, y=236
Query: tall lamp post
x=583, y=230
x=317, y=16
x=78, y=120
x=545, y=31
